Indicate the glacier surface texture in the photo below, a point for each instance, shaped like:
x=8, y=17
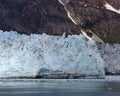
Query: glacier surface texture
x=39, y=55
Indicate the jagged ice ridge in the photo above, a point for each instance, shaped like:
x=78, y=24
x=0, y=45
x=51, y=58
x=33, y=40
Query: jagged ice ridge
x=29, y=56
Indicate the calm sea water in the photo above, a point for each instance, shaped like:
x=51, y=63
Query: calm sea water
x=30, y=87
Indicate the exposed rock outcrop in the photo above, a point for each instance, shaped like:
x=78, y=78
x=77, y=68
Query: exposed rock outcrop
x=35, y=16
x=53, y=17
x=101, y=17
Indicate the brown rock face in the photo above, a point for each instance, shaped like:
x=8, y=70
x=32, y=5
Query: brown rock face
x=53, y=18
x=93, y=16
x=35, y=16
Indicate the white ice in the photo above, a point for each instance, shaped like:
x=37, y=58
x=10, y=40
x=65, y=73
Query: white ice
x=111, y=55
x=22, y=55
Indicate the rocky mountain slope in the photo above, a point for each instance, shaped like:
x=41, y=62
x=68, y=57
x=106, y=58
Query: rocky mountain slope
x=55, y=17
x=35, y=16
x=101, y=17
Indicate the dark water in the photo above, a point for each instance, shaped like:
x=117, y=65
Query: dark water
x=59, y=88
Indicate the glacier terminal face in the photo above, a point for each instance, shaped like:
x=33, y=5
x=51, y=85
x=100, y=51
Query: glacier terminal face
x=48, y=56
x=111, y=55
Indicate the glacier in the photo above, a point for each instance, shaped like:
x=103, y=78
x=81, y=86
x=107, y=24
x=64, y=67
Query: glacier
x=111, y=55
x=37, y=55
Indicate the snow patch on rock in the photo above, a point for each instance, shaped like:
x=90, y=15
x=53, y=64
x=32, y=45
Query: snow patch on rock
x=111, y=8
x=28, y=56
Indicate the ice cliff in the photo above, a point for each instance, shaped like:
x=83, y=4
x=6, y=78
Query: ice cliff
x=45, y=56
x=111, y=55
